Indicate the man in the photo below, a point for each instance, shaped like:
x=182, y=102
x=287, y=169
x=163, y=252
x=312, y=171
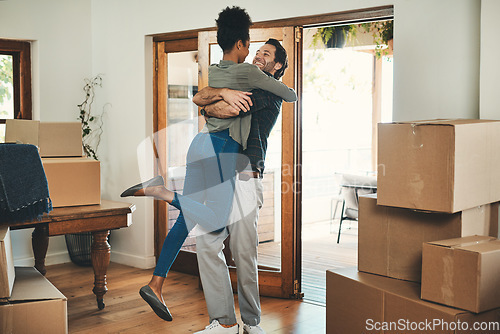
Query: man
x=264, y=108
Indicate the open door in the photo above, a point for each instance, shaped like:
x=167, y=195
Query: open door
x=181, y=69
x=283, y=279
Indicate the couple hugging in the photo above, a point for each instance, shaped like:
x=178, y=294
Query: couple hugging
x=222, y=193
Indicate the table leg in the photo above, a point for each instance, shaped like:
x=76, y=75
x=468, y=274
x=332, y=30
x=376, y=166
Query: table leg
x=40, y=243
x=101, y=252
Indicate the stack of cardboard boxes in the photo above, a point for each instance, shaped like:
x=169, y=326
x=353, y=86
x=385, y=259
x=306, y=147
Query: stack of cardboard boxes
x=29, y=303
x=73, y=179
x=438, y=193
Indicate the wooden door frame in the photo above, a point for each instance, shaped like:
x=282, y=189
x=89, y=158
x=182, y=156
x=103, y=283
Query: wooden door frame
x=185, y=41
x=373, y=13
x=21, y=54
x=274, y=282
x=186, y=261
x=159, y=124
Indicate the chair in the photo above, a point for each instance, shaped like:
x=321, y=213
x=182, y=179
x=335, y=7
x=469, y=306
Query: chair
x=351, y=186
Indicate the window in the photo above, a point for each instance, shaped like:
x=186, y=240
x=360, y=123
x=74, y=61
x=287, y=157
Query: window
x=15, y=82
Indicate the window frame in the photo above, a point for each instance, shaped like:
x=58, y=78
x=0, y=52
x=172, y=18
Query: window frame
x=21, y=66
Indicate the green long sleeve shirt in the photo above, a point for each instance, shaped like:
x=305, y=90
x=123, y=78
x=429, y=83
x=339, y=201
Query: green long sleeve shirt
x=243, y=77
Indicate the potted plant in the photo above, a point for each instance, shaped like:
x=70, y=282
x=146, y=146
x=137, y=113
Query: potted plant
x=337, y=36
x=91, y=124
x=79, y=245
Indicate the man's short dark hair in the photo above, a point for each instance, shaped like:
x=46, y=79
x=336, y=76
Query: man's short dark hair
x=233, y=25
x=279, y=57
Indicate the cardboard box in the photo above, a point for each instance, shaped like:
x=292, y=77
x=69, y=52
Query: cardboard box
x=462, y=272
x=390, y=239
x=21, y=130
x=35, y=306
x=364, y=303
x=61, y=139
x=439, y=165
x=73, y=181
x=7, y=272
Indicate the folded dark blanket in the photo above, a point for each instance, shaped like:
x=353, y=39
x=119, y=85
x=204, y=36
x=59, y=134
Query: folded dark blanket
x=24, y=192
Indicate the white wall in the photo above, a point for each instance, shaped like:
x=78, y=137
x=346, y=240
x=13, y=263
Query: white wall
x=436, y=73
x=436, y=59
x=489, y=102
x=490, y=65
x=61, y=59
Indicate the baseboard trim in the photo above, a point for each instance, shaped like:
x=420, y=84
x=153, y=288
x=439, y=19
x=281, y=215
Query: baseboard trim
x=133, y=260
x=63, y=257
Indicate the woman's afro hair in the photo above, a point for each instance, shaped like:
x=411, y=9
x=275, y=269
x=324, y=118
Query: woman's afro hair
x=233, y=24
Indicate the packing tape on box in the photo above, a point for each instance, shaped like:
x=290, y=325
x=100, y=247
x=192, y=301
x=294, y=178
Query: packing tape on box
x=471, y=243
x=416, y=141
x=447, y=287
x=432, y=121
x=480, y=209
x=416, y=187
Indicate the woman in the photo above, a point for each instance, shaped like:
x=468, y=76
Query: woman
x=211, y=159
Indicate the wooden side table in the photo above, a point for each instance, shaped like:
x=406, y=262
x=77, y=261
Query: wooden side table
x=98, y=219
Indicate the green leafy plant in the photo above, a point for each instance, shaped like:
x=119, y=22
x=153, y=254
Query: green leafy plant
x=6, y=79
x=333, y=36
x=91, y=124
x=382, y=32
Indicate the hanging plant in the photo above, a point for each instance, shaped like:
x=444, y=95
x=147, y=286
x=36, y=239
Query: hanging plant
x=91, y=124
x=382, y=32
x=333, y=36
x=336, y=36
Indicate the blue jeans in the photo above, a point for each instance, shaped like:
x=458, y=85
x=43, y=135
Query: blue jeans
x=208, y=192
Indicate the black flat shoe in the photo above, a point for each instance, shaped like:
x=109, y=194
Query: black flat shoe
x=158, y=307
x=155, y=181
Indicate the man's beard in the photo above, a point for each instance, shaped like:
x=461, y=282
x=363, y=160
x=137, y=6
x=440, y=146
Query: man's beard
x=268, y=67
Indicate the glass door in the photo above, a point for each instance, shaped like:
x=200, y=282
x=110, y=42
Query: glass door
x=279, y=269
x=176, y=124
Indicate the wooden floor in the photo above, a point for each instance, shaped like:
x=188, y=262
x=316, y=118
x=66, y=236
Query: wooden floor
x=320, y=252
x=126, y=312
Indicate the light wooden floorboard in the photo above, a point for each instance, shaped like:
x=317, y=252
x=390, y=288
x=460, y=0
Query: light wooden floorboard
x=126, y=312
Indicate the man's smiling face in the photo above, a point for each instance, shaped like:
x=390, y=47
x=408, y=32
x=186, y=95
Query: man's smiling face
x=264, y=58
